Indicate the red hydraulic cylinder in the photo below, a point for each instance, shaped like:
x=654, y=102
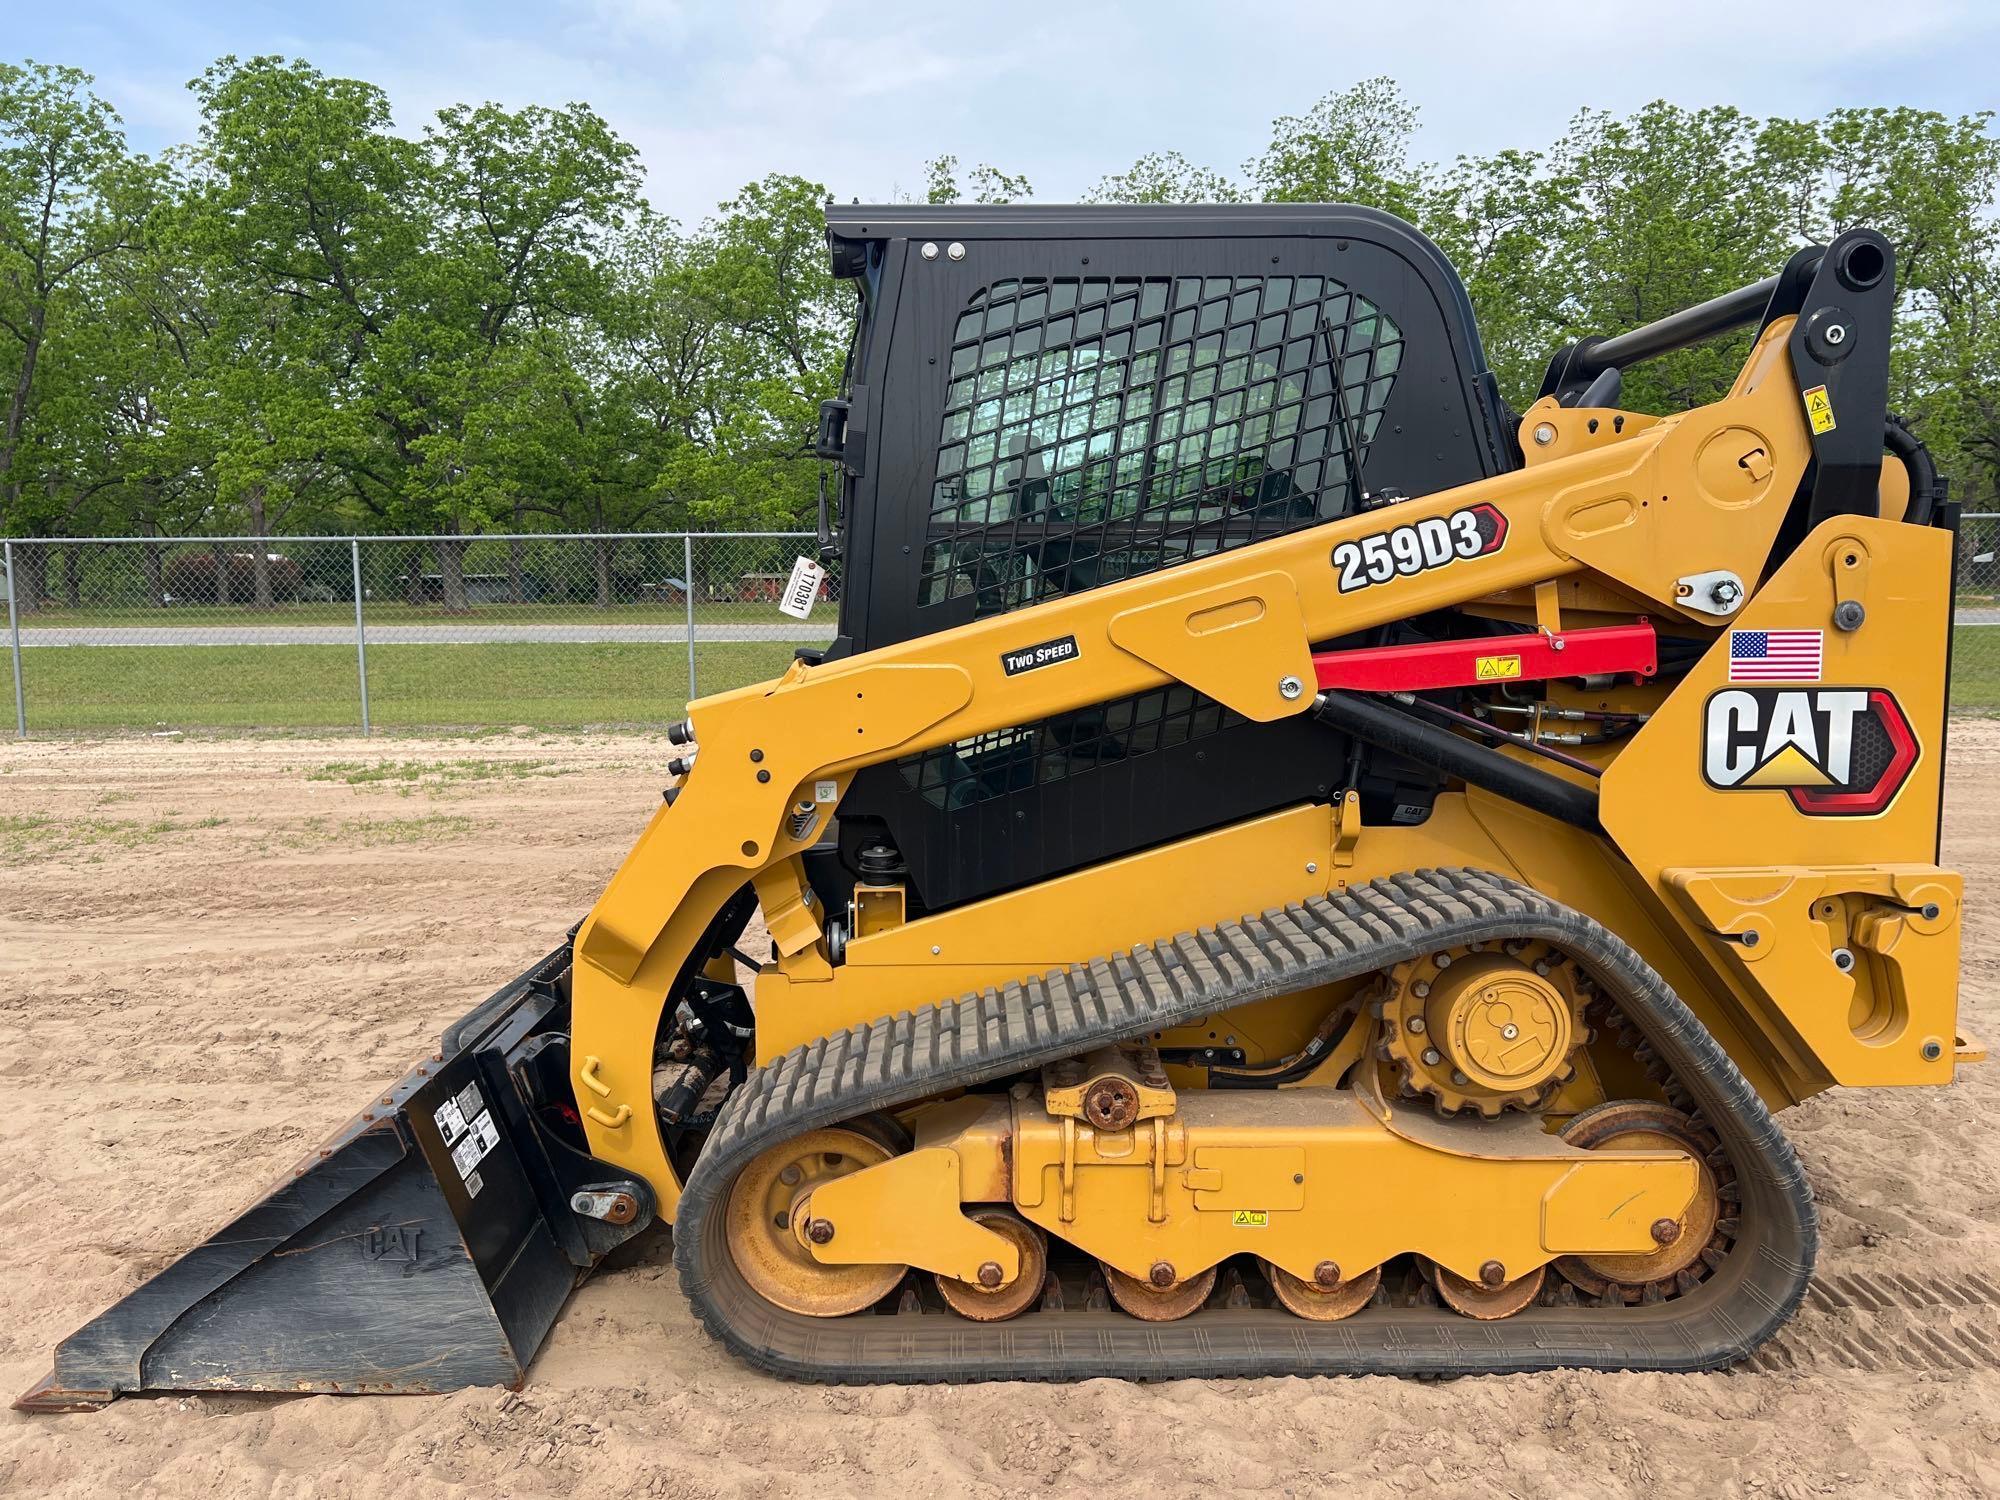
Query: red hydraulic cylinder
x=1624, y=650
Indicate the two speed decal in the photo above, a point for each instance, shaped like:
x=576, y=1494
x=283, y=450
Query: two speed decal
x=1418, y=546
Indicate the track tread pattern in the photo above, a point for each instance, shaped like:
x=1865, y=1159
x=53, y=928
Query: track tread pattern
x=1020, y=1025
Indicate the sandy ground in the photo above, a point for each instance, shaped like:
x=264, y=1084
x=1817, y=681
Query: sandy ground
x=211, y=954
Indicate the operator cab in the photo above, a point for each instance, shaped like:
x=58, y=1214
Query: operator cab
x=1043, y=399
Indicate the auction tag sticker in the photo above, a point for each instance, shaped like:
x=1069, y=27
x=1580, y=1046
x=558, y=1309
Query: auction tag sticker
x=802, y=589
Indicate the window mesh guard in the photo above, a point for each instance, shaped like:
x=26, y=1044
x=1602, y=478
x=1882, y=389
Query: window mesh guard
x=1099, y=428
x=1096, y=429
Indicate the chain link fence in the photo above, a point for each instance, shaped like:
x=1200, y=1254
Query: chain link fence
x=339, y=633
x=375, y=633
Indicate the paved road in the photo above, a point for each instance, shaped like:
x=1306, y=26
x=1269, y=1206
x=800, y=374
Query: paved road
x=1977, y=617
x=415, y=635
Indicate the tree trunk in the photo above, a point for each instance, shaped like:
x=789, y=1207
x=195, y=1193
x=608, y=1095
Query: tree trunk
x=17, y=410
x=603, y=547
x=223, y=593
x=451, y=573
x=260, y=556
x=152, y=558
x=31, y=576
x=517, y=561
x=72, y=577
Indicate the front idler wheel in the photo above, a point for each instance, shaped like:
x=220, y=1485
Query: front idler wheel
x=770, y=1226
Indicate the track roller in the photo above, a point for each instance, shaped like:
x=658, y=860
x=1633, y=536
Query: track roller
x=995, y=1303
x=1162, y=1299
x=1327, y=1298
x=1490, y=1298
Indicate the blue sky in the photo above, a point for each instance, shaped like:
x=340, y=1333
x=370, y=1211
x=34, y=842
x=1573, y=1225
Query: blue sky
x=858, y=95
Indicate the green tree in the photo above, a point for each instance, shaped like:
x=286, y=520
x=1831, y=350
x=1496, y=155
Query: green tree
x=1353, y=146
x=404, y=273
x=1164, y=177
x=70, y=199
x=983, y=184
x=1929, y=183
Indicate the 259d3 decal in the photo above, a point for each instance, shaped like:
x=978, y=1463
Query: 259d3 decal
x=1836, y=751
x=1418, y=546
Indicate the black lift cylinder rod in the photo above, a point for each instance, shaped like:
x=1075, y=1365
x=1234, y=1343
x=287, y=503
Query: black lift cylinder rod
x=1397, y=732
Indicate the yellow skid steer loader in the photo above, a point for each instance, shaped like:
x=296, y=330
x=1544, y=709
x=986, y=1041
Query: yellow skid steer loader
x=1287, y=867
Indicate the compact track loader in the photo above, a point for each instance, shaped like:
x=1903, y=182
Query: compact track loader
x=1286, y=867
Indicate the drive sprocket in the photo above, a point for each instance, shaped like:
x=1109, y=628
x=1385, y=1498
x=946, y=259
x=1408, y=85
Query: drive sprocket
x=1487, y=1027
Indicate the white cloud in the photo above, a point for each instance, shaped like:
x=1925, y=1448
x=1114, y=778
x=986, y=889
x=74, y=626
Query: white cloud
x=716, y=94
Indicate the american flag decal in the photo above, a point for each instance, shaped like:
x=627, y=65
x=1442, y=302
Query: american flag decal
x=1775, y=655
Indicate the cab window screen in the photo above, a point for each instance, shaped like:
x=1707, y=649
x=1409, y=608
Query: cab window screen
x=1098, y=428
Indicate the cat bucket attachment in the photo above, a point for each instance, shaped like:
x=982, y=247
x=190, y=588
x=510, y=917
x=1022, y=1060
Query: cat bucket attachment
x=429, y=1245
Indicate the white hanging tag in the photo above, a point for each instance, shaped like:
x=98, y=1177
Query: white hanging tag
x=802, y=590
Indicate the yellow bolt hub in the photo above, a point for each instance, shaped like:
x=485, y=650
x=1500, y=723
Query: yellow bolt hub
x=1486, y=1030
x=1503, y=1025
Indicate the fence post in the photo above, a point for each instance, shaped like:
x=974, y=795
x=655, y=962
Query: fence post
x=14, y=634
x=360, y=633
x=687, y=577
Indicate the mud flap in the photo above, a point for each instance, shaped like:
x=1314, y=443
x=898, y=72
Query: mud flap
x=429, y=1245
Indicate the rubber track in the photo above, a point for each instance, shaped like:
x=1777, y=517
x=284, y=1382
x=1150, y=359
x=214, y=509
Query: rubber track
x=1019, y=1026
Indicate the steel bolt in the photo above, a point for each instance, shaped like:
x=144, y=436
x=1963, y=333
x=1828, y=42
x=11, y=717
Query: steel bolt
x=930, y=250
x=1510, y=1031
x=1933, y=1049
x=1544, y=434
x=1724, y=592
x=1843, y=959
x=1327, y=1274
x=820, y=1231
x=1666, y=1231
x=989, y=1274
x=789, y=1177
x=1930, y=911
x=1415, y=1024
x=1162, y=1274
x=1432, y=1056
x=955, y=250
x=1493, y=1273
x=1290, y=687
